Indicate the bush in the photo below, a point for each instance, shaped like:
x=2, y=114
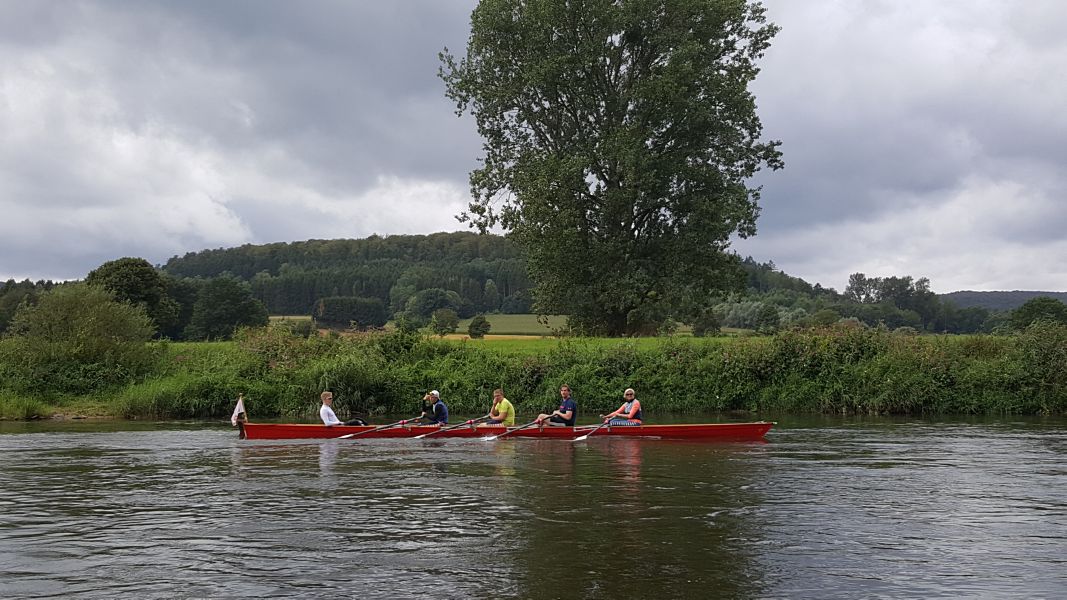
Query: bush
x=478, y=327
x=834, y=370
x=706, y=324
x=444, y=321
x=77, y=339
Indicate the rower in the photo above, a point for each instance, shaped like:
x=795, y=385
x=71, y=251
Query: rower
x=627, y=414
x=434, y=409
x=327, y=415
x=565, y=415
x=502, y=412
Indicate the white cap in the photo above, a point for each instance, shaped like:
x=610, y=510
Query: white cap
x=435, y=394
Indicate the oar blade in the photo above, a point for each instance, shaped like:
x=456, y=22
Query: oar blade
x=578, y=439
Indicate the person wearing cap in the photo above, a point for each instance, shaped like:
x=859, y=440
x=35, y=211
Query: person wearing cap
x=565, y=415
x=627, y=414
x=502, y=412
x=434, y=409
x=327, y=415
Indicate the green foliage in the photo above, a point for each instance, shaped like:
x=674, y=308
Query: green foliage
x=223, y=305
x=767, y=319
x=424, y=303
x=478, y=327
x=1042, y=308
x=619, y=141
x=490, y=296
x=1042, y=348
x=76, y=339
x=840, y=369
x=444, y=321
x=13, y=294
x=20, y=408
x=136, y=281
x=350, y=311
x=707, y=323
x=997, y=301
x=300, y=327
x=825, y=317
x=407, y=324
x=289, y=277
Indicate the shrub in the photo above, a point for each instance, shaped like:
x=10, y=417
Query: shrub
x=706, y=324
x=77, y=339
x=444, y=321
x=478, y=327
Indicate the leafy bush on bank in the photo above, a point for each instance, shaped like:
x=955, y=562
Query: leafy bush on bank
x=833, y=370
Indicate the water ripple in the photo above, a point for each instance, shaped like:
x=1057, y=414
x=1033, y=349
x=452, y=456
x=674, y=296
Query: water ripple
x=833, y=511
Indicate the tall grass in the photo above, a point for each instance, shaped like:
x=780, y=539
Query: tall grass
x=20, y=408
x=836, y=370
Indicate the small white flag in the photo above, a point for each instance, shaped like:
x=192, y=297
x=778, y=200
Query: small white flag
x=237, y=410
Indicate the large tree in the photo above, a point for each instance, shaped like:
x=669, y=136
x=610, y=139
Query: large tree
x=620, y=138
x=136, y=281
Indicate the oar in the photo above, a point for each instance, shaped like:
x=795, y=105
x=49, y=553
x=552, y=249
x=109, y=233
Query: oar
x=444, y=429
x=352, y=435
x=513, y=430
x=602, y=425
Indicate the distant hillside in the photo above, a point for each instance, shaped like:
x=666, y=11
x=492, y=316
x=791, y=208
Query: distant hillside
x=998, y=300
x=485, y=270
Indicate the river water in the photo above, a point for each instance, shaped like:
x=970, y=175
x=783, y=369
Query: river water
x=827, y=508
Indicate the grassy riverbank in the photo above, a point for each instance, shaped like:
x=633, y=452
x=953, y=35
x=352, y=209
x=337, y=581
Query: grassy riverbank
x=838, y=370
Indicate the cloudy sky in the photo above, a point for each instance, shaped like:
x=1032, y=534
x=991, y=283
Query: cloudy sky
x=925, y=139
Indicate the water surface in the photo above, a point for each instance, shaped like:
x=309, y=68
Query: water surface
x=824, y=508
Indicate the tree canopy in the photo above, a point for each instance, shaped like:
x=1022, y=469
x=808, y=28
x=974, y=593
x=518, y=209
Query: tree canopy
x=222, y=305
x=136, y=281
x=1042, y=308
x=619, y=140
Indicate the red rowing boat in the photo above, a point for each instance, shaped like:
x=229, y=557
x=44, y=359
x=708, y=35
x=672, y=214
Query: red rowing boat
x=703, y=431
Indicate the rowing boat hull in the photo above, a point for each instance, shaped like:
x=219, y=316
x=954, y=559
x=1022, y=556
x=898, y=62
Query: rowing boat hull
x=702, y=431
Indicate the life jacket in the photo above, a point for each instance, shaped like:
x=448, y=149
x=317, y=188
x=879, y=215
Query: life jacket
x=628, y=406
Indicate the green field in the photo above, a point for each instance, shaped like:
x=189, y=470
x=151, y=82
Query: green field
x=526, y=324
x=511, y=325
x=518, y=345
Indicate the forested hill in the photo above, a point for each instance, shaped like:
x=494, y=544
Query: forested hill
x=485, y=270
x=472, y=273
x=248, y=260
x=998, y=300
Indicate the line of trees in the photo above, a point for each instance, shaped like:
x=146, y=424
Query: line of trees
x=895, y=302
x=413, y=291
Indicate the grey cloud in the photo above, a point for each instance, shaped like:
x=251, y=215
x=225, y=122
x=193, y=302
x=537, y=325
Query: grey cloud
x=251, y=121
x=885, y=110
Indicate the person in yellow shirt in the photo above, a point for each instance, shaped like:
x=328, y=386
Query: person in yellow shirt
x=502, y=413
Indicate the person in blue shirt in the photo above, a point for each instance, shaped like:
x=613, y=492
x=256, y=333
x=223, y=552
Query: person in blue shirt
x=565, y=415
x=434, y=409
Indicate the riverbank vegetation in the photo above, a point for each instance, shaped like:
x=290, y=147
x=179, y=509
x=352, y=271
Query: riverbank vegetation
x=839, y=369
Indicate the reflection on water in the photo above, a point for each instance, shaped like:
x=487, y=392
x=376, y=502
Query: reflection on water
x=823, y=509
